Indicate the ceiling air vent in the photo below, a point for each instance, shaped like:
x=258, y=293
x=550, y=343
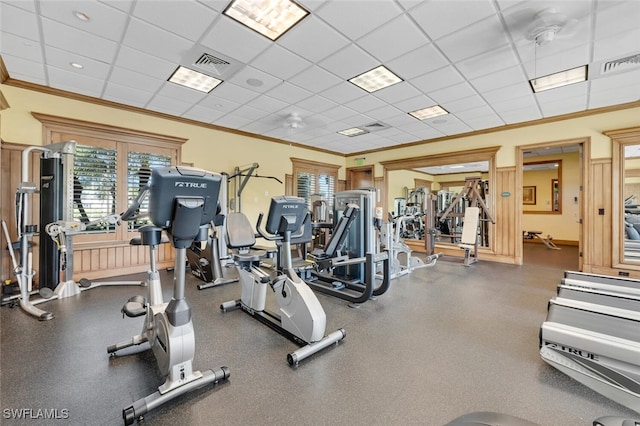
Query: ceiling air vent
x=621, y=64
x=211, y=62
x=375, y=126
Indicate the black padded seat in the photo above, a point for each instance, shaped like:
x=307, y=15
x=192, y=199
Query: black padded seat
x=150, y=235
x=250, y=256
x=240, y=236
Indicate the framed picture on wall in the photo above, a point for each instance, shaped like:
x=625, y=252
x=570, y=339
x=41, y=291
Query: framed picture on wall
x=528, y=195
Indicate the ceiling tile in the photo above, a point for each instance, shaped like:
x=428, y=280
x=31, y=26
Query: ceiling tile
x=564, y=105
x=168, y=105
x=349, y=62
x=405, y=38
x=303, y=39
x=155, y=41
x=498, y=79
x=512, y=116
x=248, y=78
x=397, y=92
x=471, y=56
x=181, y=93
x=228, y=90
x=354, y=19
x=232, y=121
x=105, y=22
x=472, y=113
x=19, y=22
x=452, y=93
x=20, y=46
x=415, y=103
x=249, y=112
x=289, y=93
x=476, y=39
x=365, y=103
x=280, y=62
x=235, y=40
x=463, y=104
x=439, y=18
x=79, y=42
x=507, y=93
x=187, y=18
x=218, y=104
x=128, y=78
x=417, y=62
x=70, y=81
x=616, y=89
x=315, y=79
x=620, y=45
x=618, y=19
x=144, y=63
x=126, y=95
x=316, y=104
x=444, y=77
x=340, y=113
x=488, y=63
x=62, y=59
x=484, y=122
x=343, y=93
x=200, y=113
x=25, y=69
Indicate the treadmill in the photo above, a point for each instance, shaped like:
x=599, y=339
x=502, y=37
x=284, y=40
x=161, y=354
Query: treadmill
x=592, y=334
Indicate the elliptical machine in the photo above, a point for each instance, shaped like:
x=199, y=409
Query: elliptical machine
x=301, y=318
x=182, y=202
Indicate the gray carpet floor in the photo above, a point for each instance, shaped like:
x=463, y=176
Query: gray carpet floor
x=442, y=342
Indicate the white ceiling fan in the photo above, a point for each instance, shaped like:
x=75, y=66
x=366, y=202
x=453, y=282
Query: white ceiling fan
x=547, y=25
x=294, y=121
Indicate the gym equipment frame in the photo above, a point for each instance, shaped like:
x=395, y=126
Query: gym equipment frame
x=301, y=318
x=182, y=202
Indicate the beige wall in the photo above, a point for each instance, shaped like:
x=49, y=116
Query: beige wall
x=222, y=151
x=563, y=226
x=206, y=148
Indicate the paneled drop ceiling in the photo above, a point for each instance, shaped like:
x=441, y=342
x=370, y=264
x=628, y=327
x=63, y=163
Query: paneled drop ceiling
x=473, y=58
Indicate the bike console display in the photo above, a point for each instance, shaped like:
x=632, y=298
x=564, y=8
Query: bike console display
x=286, y=213
x=183, y=199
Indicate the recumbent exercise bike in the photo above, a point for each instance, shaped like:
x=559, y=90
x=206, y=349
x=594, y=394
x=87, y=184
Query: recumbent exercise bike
x=301, y=318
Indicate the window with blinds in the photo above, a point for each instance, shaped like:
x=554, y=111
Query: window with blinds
x=94, y=185
x=315, y=181
x=139, y=165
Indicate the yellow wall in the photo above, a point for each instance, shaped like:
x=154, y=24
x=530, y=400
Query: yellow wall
x=590, y=126
x=398, y=181
x=206, y=148
x=222, y=151
x=560, y=226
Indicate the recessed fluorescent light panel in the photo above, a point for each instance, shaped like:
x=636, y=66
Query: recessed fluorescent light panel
x=271, y=18
x=559, y=79
x=194, y=79
x=424, y=113
x=354, y=131
x=376, y=79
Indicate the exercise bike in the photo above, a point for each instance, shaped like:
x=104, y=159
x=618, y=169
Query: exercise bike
x=182, y=202
x=301, y=318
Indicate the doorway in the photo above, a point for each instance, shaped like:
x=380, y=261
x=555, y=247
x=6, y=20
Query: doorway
x=556, y=211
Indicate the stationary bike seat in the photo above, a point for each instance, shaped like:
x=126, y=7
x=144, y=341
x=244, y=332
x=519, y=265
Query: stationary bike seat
x=135, y=307
x=150, y=235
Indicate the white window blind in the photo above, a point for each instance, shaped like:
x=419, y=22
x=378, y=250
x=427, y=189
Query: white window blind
x=139, y=165
x=94, y=185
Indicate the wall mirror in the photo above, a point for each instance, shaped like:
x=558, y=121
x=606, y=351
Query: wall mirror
x=631, y=202
x=626, y=196
x=542, y=187
x=422, y=191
